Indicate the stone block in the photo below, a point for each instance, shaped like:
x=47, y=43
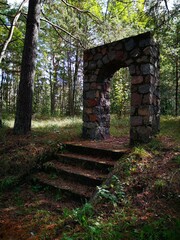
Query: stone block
x=93, y=85
x=144, y=88
x=148, y=99
x=145, y=110
x=148, y=50
x=104, y=50
x=136, y=99
x=94, y=51
x=132, y=69
x=90, y=103
x=93, y=118
x=97, y=56
x=86, y=86
x=133, y=110
x=135, y=52
x=112, y=55
x=92, y=65
x=90, y=125
x=88, y=57
x=144, y=133
x=145, y=42
x=120, y=56
x=97, y=110
x=88, y=110
x=129, y=61
x=130, y=44
x=100, y=63
x=136, y=121
x=143, y=59
x=147, y=69
x=147, y=120
x=150, y=79
x=134, y=88
x=105, y=59
x=137, y=79
x=92, y=78
x=90, y=94
x=118, y=46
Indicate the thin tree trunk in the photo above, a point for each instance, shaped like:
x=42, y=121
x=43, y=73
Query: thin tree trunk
x=1, y=98
x=75, y=80
x=24, y=101
x=70, y=102
x=177, y=78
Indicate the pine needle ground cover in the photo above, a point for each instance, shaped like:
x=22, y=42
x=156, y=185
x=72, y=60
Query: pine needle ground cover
x=140, y=201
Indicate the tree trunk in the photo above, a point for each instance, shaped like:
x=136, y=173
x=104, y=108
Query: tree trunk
x=24, y=101
x=1, y=98
x=70, y=99
x=177, y=77
x=75, y=81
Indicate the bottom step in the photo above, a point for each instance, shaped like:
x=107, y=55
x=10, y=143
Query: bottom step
x=60, y=183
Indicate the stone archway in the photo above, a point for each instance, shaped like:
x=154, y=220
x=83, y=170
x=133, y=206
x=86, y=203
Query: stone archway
x=141, y=55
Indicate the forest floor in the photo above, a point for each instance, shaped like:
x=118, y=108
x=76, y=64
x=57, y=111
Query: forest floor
x=141, y=201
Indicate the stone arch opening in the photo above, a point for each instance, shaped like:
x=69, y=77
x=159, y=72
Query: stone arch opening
x=141, y=55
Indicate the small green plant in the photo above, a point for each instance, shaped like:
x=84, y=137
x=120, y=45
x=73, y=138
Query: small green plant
x=114, y=192
x=53, y=175
x=140, y=152
x=82, y=214
x=36, y=187
x=8, y=182
x=58, y=195
x=160, y=185
x=177, y=159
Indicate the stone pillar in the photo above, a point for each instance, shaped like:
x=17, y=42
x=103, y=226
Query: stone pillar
x=145, y=99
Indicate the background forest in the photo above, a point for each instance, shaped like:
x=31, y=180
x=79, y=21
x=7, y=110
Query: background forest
x=69, y=27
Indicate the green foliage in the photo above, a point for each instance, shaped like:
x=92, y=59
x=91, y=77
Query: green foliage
x=113, y=192
x=177, y=159
x=83, y=214
x=120, y=93
x=170, y=127
x=161, y=229
x=140, y=152
x=119, y=125
x=8, y=182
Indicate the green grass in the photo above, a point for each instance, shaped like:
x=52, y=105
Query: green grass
x=170, y=127
x=119, y=126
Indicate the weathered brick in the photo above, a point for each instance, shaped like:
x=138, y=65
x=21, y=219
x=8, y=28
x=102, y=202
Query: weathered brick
x=148, y=98
x=91, y=103
x=136, y=121
x=88, y=110
x=145, y=111
x=93, y=118
x=92, y=65
x=130, y=44
x=137, y=79
x=136, y=99
x=144, y=88
x=120, y=55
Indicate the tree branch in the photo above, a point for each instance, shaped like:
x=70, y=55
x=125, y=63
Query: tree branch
x=45, y=19
x=80, y=10
x=11, y=31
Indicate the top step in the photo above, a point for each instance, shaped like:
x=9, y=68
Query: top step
x=95, y=150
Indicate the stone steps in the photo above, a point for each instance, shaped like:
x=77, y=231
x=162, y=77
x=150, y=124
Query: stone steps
x=79, y=169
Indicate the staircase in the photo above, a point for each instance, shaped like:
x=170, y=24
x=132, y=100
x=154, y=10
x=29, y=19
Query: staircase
x=79, y=169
